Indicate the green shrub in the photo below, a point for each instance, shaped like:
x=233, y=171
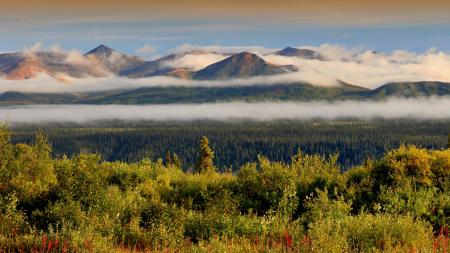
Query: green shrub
x=83, y=204
x=404, y=163
x=333, y=229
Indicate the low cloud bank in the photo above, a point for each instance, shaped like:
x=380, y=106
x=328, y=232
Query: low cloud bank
x=424, y=108
x=43, y=83
x=356, y=66
x=368, y=68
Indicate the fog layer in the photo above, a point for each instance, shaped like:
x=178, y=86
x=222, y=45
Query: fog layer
x=424, y=108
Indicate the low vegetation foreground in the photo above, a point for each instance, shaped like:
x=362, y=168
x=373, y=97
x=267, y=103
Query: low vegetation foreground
x=398, y=203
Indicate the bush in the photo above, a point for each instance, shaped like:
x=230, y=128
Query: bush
x=402, y=164
x=331, y=227
x=84, y=204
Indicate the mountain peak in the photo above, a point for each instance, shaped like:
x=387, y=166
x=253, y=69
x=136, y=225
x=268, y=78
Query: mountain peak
x=290, y=49
x=113, y=60
x=247, y=56
x=101, y=49
x=300, y=52
x=244, y=58
x=241, y=65
x=246, y=53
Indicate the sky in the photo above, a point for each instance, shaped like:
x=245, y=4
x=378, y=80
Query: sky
x=156, y=27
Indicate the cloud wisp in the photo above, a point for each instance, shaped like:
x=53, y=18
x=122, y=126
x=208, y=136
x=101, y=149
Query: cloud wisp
x=195, y=61
x=46, y=84
x=424, y=108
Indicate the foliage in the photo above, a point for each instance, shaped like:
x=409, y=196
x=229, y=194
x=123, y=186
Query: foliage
x=398, y=203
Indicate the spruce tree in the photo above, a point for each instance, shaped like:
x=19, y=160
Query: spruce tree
x=205, y=160
x=168, y=159
x=176, y=161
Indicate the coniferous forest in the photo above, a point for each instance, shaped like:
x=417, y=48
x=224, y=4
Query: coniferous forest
x=239, y=142
x=399, y=201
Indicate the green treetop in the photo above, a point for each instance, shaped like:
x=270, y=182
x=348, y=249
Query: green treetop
x=205, y=160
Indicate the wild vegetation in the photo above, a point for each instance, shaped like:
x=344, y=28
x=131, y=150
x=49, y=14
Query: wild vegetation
x=397, y=203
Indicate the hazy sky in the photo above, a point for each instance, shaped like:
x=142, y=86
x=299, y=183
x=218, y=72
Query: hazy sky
x=129, y=25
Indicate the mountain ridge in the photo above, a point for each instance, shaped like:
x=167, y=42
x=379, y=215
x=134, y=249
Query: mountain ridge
x=112, y=59
x=411, y=89
x=308, y=54
x=104, y=60
x=160, y=66
x=241, y=65
x=19, y=66
x=296, y=92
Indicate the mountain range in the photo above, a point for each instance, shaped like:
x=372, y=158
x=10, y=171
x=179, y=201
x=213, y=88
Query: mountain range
x=18, y=66
x=104, y=61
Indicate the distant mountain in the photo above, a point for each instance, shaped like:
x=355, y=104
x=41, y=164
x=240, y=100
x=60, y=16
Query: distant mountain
x=242, y=65
x=302, y=53
x=98, y=62
x=17, y=66
x=151, y=68
x=113, y=60
x=411, y=89
x=162, y=95
x=257, y=93
x=276, y=92
x=164, y=66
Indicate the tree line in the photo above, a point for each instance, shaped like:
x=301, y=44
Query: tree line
x=237, y=143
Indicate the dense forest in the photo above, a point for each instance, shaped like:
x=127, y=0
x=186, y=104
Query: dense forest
x=240, y=142
x=399, y=202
